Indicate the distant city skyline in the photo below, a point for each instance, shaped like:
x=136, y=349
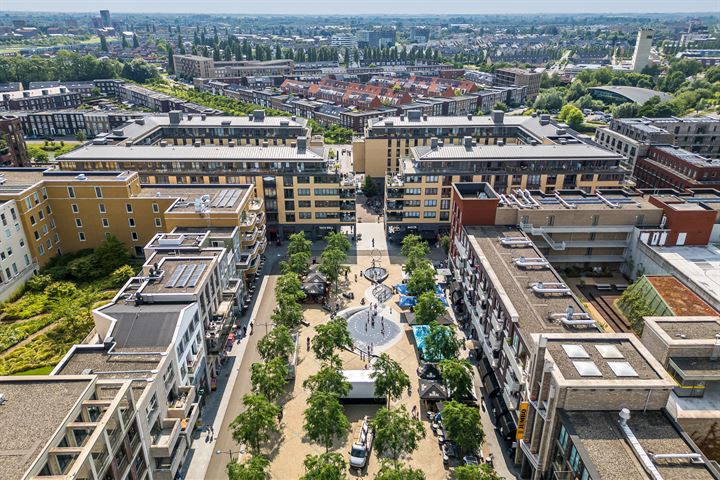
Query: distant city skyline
x=367, y=7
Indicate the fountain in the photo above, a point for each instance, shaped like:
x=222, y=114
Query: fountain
x=375, y=273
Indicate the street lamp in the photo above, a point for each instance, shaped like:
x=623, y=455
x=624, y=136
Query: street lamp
x=231, y=453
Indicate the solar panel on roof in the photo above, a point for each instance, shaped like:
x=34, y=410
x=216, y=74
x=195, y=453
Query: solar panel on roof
x=587, y=368
x=622, y=369
x=185, y=276
x=196, y=276
x=174, y=278
x=609, y=351
x=575, y=351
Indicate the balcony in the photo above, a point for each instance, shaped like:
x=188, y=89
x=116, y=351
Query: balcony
x=180, y=407
x=255, y=205
x=462, y=251
x=512, y=398
x=497, y=323
x=165, y=440
x=533, y=457
x=247, y=222
x=394, y=193
x=166, y=468
x=513, y=361
x=347, y=206
x=187, y=424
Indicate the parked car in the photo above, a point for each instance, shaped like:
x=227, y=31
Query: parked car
x=360, y=451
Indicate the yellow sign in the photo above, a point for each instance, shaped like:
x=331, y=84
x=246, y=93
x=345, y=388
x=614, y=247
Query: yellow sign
x=522, y=418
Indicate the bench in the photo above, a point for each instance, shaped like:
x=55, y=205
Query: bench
x=603, y=286
x=621, y=287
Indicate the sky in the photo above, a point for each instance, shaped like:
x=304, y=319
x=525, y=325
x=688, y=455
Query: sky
x=410, y=7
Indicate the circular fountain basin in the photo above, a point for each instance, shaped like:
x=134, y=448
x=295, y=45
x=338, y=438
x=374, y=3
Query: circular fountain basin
x=375, y=274
x=380, y=293
x=380, y=334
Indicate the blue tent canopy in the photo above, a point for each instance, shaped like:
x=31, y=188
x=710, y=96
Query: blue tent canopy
x=402, y=289
x=407, y=301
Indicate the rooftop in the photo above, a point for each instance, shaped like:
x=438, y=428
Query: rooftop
x=679, y=298
x=34, y=409
x=603, y=446
x=698, y=328
x=634, y=94
x=533, y=310
x=200, y=198
x=512, y=152
x=690, y=157
x=184, y=273
x=120, y=363
x=144, y=326
x=608, y=199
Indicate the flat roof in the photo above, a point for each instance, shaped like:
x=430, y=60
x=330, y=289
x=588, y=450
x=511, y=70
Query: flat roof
x=146, y=325
x=155, y=153
x=533, y=310
x=35, y=407
x=697, y=368
x=681, y=300
x=687, y=156
x=184, y=273
x=120, y=363
x=699, y=328
x=220, y=198
x=579, y=200
x=605, y=351
x=602, y=445
x=529, y=124
x=513, y=152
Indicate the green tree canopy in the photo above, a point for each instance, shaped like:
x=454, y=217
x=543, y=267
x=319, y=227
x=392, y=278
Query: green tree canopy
x=571, y=115
x=422, y=279
x=428, y=308
x=462, y=426
x=331, y=263
x=337, y=240
x=278, y=343
x=330, y=336
x=269, y=378
x=288, y=313
x=369, y=189
x=140, y=71
x=299, y=244
x=441, y=343
x=288, y=288
x=397, y=433
x=475, y=472
x=409, y=242
x=457, y=375
x=325, y=419
x=256, y=423
x=253, y=469
x=390, y=378
x=328, y=466
x=297, y=263
x=394, y=470
x=328, y=379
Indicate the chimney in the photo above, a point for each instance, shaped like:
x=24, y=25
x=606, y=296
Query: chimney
x=163, y=143
x=175, y=116
x=544, y=118
x=433, y=143
x=301, y=144
x=467, y=141
x=258, y=115
x=498, y=116
x=63, y=90
x=45, y=93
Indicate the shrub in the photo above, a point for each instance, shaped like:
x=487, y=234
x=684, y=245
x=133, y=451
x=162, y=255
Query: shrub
x=38, y=283
x=121, y=275
x=61, y=290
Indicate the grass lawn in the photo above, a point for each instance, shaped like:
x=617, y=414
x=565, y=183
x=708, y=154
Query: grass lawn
x=36, y=371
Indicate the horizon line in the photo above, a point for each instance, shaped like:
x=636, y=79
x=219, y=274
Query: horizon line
x=712, y=13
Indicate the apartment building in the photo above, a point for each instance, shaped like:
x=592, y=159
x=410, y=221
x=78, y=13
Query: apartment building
x=666, y=166
x=302, y=189
x=193, y=66
x=69, y=211
x=71, y=426
x=14, y=150
x=507, y=77
x=488, y=97
x=51, y=98
x=687, y=347
x=71, y=122
x=17, y=263
x=699, y=135
x=556, y=384
x=520, y=153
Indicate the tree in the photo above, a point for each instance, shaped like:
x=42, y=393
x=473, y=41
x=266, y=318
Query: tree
x=278, y=343
x=397, y=433
x=501, y=106
x=409, y=242
x=325, y=419
x=296, y=263
x=171, y=60
x=440, y=343
x=625, y=110
x=571, y=115
x=110, y=255
x=331, y=336
x=462, y=426
x=80, y=136
x=140, y=71
x=253, y=469
x=393, y=470
x=445, y=243
x=288, y=313
x=299, y=244
x=124, y=41
x=337, y=240
x=422, y=279
x=328, y=466
x=475, y=472
x=390, y=378
x=256, y=423
x=457, y=376
x=416, y=258
x=328, y=379
x=369, y=189
x=288, y=287
x=103, y=44
x=136, y=43
x=428, y=308
x=121, y=275
x=331, y=264
x=269, y=378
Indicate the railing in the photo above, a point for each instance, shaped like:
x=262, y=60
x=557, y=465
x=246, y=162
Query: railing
x=462, y=251
x=528, y=228
x=513, y=361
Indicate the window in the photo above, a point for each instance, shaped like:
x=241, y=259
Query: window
x=44, y=193
x=74, y=208
x=4, y=220
x=98, y=192
x=52, y=223
x=105, y=222
x=305, y=215
x=78, y=222
x=41, y=250
x=429, y=215
x=128, y=208
x=431, y=191
x=41, y=214
x=431, y=203
x=304, y=192
x=131, y=222
x=101, y=207
x=303, y=203
x=155, y=208
x=158, y=222
x=28, y=203
x=71, y=192
x=134, y=236
x=35, y=233
x=32, y=220
x=36, y=198
x=14, y=215
x=48, y=244
x=27, y=259
x=81, y=235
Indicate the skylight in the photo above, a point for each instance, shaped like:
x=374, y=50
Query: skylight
x=575, y=351
x=587, y=369
x=609, y=351
x=622, y=369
